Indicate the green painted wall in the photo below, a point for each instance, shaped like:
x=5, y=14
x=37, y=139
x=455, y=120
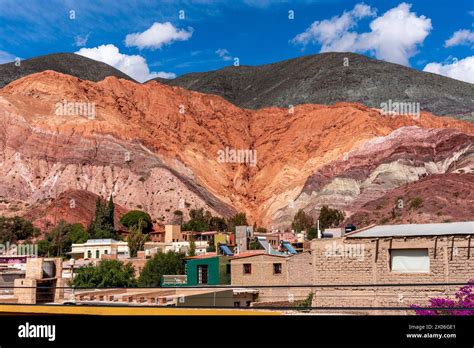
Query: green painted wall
x=216, y=267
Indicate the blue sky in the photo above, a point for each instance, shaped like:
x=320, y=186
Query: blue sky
x=146, y=38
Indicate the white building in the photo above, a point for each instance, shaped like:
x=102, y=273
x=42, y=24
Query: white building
x=95, y=248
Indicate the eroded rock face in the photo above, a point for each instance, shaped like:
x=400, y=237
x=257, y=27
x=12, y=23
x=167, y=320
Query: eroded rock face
x=435, y=198
x=381, y=165
x=159, y=148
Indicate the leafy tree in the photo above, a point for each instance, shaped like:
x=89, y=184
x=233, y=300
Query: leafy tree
x=45, y=248
x=239, y=219
x=312, y=233
x=136, y=240
x=192, y=246
x=102, y=226
x=58, y=242
x=255, y=245
x=178, y=217
x=199, y=221
x=211, y=246
x=301, y=221
x=107, y=274
x=217, y=224
x=13, y=229
x=161, y=264
x=59, y=238
x=138, y=219
x=78, y=234
x=330, y=217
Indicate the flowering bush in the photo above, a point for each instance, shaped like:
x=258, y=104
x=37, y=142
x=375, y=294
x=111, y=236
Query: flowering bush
x=463, y=298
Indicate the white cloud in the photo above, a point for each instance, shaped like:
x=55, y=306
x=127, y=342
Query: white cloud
x=459, y=69
x=460, y=37
x=80, y=41
x=223, y=53
x=334, y=31
x=165, y=75
x=133, y=65
x=157, y=35
x=393, y=36
x=6, y=57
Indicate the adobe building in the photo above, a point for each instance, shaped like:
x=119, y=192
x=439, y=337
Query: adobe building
x=42, y=283
x=173, y=234
x=278, y=270
x=392, y=254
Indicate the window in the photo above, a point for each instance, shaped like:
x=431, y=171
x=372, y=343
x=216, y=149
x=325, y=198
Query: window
x=97, y=254
x=247, y=268
x=106, y=252
x=410, y=260
x=89, y=254
x=277, y=268
x=227, y=268
x=202, y=274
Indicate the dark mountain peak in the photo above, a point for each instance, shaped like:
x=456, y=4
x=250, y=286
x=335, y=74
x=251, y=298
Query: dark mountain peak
x=328, y=78
x=66, y=63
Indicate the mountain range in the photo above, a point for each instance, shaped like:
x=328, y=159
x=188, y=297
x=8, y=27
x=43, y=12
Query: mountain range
x=156, y=146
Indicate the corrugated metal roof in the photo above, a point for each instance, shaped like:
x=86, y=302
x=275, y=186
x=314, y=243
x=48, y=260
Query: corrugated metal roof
x=449, y=228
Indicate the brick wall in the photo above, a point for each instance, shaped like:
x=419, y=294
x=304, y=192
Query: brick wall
x=336, y=263
x=262, y=271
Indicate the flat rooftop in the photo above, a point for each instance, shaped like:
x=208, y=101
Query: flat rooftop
x=413, y=230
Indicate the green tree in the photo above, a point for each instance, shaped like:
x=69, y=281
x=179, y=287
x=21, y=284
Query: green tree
x=217, y=224
x=137, y=219
x=178, y=217
x=45, y=248
x=60, y=238
x=312, y=233
x=107, y=274
x=255, y=245
x=211, y=247
x=239, y=219
x=199, y=221
x=102, y=226
x=136, y=240
x=58, y=242
x=78, y=234
x=13, y=229
x=330, y=217
x=301, y=221
x=161, y=264
x=192, y=246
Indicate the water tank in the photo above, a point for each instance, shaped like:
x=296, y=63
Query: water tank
x=49, y=269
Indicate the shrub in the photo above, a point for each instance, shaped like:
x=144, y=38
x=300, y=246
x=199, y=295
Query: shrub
x=161, y=264
x=108, y=274
x=137, y=219
x=416, y=203
x=463, y=298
